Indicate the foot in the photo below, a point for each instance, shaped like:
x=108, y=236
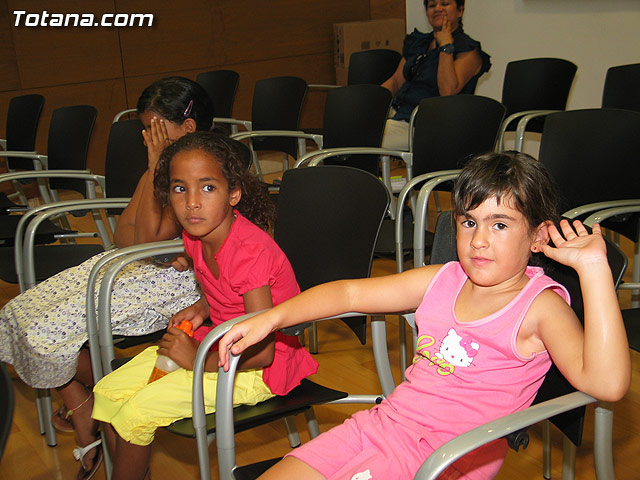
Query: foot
x=61, y=420
x=90, y=458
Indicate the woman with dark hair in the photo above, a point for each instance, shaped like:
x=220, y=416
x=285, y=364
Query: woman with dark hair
x=445, y=61
x=43, y=330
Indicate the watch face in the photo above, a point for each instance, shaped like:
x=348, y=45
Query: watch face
x=447, y=48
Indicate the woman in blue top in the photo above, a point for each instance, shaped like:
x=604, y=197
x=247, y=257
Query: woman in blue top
x=445, y=61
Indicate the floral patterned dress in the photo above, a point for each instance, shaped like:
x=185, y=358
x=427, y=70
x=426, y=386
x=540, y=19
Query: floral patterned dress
x=43, y=329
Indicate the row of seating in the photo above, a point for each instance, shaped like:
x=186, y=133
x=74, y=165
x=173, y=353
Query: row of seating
x=138, y=127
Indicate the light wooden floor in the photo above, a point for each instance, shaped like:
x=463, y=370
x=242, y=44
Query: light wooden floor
x=344, y=364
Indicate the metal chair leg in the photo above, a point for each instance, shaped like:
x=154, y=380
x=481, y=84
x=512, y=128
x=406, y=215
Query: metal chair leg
x=45, y=410
x=546, y=449
x=603, y=442
x=292, y=432
x=568, y=459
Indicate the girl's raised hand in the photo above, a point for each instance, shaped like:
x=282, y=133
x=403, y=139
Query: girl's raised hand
x=156, y=139
x=575, y=247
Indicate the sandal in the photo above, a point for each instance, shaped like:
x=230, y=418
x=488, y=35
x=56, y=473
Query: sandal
x=61, y=420
x=85, y=472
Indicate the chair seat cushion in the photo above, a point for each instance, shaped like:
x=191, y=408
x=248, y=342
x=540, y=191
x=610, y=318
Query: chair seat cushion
x=254, y=470
x=245, y=417
x=49, y=260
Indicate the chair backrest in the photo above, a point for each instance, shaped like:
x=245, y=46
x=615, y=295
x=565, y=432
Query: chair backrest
x=592, y=155
x=23, y=118
x=355, y=116
x=554, y=384
x=68, y=145
x=328, y=220
x=537, y=84
x=448, y=130
x=277, y=104
x=126, y=158
x=622, y=87
x=7, y=404
x=221, y=85
x=372, y=66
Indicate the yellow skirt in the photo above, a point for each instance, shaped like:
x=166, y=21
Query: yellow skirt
x=136, y=408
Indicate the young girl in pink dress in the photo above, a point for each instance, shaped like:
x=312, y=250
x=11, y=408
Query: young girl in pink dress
x=488, y=327
x=225, y=211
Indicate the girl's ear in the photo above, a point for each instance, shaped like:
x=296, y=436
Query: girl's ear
x=189, y=125
x=540, y=236
x=235, y=196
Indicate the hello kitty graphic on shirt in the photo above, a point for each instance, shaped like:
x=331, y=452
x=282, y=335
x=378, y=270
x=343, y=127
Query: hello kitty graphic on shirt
x=454, y=351
x=457, y=350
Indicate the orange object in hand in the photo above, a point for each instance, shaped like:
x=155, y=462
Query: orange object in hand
x=164, y=364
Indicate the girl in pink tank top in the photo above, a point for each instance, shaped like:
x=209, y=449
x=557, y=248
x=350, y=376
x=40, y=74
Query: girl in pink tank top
x=488, y=327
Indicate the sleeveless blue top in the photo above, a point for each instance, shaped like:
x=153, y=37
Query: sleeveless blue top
x=421, y=70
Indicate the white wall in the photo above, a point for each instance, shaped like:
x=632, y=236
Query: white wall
x=593, y=34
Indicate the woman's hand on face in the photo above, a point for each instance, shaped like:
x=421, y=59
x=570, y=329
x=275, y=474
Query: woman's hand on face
x=444, y=36
x=575, y=247
x=179, y=347
x=156, y=139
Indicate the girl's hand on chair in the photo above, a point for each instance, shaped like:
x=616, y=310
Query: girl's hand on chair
x=181, y=263
x=179, y=347
x=575, y=247
x=241, y=336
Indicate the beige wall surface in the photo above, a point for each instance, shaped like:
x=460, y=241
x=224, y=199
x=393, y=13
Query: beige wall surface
x=593, y=34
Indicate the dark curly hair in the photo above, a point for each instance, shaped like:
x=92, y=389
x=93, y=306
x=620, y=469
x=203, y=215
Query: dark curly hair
x=254, y=204
x=512, y=175
x=176, y=99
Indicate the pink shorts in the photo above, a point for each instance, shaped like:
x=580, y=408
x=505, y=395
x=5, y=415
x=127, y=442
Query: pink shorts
x=370, y=446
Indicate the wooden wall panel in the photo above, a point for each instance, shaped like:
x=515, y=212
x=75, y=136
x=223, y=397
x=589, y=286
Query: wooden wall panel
x=388, y=9
x=10, y=78
x=182, y=37
x=65, y=55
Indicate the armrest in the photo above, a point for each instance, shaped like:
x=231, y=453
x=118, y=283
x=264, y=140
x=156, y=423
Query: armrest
x=119, y=259
x=232, y=121
x=525, y=116
x=596, y=207
x=29, y=225
x=121, y=114
x=451, y=451
x=39, y=161
x=421, y=221
x=522, y=124
x=402, y=198
x=320, y=86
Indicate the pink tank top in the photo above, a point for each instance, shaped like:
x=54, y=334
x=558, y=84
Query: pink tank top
x=467, y=373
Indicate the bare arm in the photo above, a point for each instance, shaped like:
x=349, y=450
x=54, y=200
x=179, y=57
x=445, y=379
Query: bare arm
x=396, y=81
x=453, y=75
x=597, y=360
x=145, y=220
x=392, y=293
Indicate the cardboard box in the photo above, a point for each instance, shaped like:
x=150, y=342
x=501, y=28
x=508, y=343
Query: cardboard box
x=353, y=37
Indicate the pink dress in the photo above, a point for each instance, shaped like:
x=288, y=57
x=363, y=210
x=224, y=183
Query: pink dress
x=248, y=259
x=463, y=375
